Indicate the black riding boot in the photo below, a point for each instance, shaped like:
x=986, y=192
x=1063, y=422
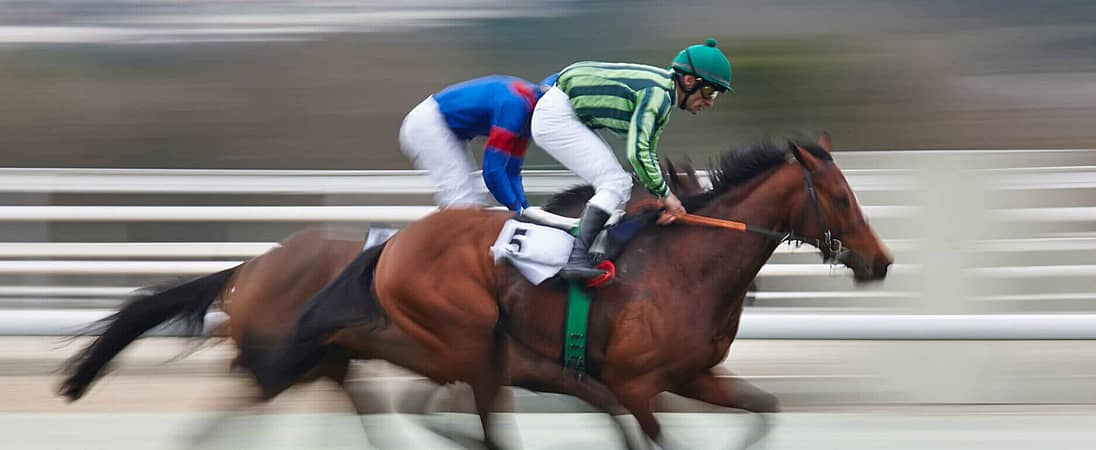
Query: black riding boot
x=580, y=266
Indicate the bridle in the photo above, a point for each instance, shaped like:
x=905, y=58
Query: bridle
x=833, y=250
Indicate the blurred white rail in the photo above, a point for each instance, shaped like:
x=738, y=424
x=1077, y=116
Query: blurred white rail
x=250, y=249
x=205, y=267
x=401, y=214
x=316, y=182
x=960, y=222
x=133, y=249
x=918, y=327
x=410, y=182
x=755, y=325
x=213, y=213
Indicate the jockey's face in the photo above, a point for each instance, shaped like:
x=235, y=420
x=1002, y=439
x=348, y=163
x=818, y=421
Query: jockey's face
x=696, y=101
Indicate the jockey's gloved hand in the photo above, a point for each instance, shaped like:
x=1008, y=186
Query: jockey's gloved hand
x=671, y=209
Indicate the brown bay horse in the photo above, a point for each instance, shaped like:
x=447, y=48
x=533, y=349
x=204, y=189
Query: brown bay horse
x=263, y=298
x=679, y=306
x=664, y=325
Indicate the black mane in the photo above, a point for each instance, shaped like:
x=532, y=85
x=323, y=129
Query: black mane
x=575, y=195
x=740, y=165
x=735, y=167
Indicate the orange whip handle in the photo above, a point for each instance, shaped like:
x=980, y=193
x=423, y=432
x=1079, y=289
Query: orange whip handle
x=711, y=222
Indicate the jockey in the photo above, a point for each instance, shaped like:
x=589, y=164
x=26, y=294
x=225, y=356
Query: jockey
x=435, y=134
x=632, y=101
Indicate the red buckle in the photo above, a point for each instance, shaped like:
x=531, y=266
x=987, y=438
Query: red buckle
x=600, y=280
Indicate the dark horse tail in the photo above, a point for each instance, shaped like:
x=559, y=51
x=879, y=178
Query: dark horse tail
x=348, y=300
x=185, y=302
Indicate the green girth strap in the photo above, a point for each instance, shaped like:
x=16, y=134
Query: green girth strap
x=578, y=315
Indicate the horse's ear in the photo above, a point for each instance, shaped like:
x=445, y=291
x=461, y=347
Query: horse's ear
x=669, y=172
x=691, y=177
x=681, y=177
x=804, y=157
x=671, y=168
x=824, y=142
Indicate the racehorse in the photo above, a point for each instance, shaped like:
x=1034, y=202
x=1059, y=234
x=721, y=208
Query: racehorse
x=261, y=297
x=665, y=323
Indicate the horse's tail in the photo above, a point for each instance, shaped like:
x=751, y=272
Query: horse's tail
x=347, y=301
x=184, y=302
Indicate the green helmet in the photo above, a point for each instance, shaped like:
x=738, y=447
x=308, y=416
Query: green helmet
x=705, y=61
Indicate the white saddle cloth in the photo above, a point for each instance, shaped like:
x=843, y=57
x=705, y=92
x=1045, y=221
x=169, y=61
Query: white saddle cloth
x=537, y=251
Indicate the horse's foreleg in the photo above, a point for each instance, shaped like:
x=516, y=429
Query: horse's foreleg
x=724, y=389
x=635, y=394
x=531, y=371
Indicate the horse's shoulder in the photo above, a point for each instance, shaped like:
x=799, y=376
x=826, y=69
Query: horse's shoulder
x=637, y=325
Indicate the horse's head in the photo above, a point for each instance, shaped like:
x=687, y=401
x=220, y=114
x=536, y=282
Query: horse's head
x=831, y=217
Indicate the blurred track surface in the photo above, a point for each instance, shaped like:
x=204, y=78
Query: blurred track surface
x=839, y=394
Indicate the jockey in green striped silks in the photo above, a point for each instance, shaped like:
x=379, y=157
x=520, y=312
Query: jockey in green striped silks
x=634, y=102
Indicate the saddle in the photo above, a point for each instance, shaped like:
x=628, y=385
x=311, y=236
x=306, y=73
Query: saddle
x=538, y=243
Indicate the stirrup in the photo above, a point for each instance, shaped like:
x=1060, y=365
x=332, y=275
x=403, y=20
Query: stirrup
x=610, y=274
x=580, y=273
x=596, y=276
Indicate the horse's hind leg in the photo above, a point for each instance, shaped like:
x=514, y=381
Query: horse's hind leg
x=724, y=389
x=219, y=425
x=336, y=367
x=486, y=382
x=531, y=371
x=473, y=355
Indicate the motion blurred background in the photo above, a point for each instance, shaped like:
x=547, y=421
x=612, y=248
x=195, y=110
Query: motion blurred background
x=267, y=84
x=324, y=84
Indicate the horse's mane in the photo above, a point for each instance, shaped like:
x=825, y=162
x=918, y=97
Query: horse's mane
x=739, y=165
x=575, y=195
x=735, y=167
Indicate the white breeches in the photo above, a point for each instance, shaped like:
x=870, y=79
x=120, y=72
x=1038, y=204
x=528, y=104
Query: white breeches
x=426, y=139
x=557, y=130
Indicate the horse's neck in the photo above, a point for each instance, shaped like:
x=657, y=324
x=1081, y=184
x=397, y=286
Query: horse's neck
x=764, y=201
x=724, y=262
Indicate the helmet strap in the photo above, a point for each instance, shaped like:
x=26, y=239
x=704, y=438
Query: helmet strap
x=680, y=79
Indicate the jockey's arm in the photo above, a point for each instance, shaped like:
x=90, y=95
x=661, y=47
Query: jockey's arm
x=652, y=108
x=504, y=154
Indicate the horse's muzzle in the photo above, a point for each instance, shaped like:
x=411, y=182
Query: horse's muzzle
x=879, y=269
x=864, y=272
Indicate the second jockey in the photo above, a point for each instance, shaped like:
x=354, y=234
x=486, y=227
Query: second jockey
x=435, y=135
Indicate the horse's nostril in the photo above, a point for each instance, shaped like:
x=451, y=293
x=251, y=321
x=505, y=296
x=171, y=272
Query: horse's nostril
x=880, y=269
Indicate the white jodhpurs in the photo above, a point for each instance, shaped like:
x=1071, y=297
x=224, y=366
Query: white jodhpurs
x=428, y=142
x=557, y=130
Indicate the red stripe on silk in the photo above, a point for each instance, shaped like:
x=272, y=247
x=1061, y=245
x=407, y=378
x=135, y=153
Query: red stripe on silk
x=525, y=92
x=507, y=141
